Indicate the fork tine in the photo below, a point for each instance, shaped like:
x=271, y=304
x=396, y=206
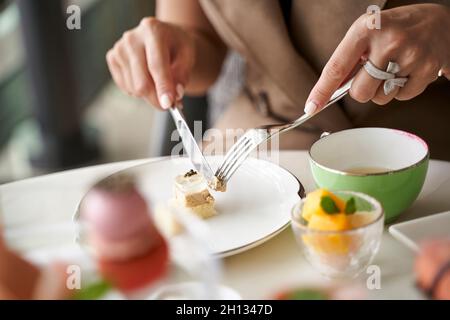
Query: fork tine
x=241, y=141
x=232, y=158
x=228, y=155
x=238, y=159
x=236, y=145
x=237, y=163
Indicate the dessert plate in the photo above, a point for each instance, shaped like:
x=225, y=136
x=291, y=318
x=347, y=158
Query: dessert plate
x=412, y=233
x=256, y=206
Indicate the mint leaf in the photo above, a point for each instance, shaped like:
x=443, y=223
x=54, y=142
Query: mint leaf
x=350, y=206
x=307, y=294
x=328, y=205
x=93, y=291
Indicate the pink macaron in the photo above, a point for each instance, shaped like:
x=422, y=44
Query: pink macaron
x=116, y=215
x=120, y=250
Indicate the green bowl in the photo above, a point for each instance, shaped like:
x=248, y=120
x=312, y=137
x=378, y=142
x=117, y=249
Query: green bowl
x=387, y=164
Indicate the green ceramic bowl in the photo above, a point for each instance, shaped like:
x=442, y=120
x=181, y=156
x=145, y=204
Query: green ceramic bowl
x=390, y=165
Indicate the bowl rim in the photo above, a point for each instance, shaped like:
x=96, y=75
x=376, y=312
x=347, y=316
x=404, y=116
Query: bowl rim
x=387, y=172
x=372, y=200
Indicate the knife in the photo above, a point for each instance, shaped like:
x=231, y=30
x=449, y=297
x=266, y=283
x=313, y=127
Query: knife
x=190, y=145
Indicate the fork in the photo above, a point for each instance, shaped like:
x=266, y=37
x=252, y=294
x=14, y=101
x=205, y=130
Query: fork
x=254, y=137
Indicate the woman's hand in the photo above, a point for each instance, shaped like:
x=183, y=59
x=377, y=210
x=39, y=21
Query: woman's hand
x=416, y=37
x=153, y=62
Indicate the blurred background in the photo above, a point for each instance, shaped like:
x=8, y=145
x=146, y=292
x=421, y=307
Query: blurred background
x=59, y=108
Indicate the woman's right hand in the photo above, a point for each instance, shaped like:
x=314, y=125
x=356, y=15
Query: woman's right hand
x=153, y=61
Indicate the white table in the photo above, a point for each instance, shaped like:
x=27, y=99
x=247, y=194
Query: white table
x=257, y=273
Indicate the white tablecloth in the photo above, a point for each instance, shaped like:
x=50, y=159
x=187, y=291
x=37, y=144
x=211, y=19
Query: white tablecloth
x=258, y=273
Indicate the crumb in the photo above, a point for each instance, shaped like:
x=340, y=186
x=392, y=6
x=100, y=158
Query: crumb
x=218, y=185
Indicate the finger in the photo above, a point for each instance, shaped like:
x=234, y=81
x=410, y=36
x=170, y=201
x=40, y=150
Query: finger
x=341, y=63
x=181, y=77
x=417, y=82
x=158, y=61
x=364, y=87
x=114, y=68
x=381, y=98
x=144, y=85
x=412, y=88
x=152, y=100
x=445, y=72
x=122, y=61
x=179, y=92
x=142, y=82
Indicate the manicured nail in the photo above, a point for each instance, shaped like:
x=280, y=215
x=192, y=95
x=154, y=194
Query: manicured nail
x=310, y=107
x=165, y=101
x=180, y=91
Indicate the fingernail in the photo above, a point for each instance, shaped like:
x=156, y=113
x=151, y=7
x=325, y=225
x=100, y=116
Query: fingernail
x=310, y=107
x=180, y=91
x=165, y=101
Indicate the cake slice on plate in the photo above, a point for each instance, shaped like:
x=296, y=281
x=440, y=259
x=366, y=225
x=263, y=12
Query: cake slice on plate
x=191, y=193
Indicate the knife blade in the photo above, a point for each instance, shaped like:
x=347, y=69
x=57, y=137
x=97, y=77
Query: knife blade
x=190, y=145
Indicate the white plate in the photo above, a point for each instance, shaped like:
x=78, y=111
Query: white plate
x=412, y=233
x=255, y=207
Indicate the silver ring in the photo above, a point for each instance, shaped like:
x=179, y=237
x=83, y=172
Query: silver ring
x=388, y=76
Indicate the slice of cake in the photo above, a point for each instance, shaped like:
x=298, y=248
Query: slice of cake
x=190, y=195
x=191, y=192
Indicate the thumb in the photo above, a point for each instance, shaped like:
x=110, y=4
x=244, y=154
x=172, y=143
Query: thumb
x=180, y=73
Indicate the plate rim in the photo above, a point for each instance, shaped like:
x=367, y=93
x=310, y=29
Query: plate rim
x=405, y=239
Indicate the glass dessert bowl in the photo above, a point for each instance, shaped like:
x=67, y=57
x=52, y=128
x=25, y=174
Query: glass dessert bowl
x=339, y=232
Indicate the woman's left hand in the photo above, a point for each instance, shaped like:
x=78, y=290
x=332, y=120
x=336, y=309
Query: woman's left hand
x=416, y=37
